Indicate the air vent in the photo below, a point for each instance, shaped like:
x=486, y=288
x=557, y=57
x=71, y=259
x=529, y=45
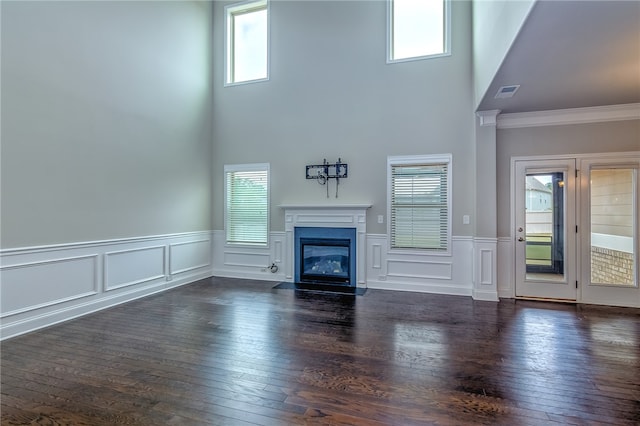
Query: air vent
x=507, y=91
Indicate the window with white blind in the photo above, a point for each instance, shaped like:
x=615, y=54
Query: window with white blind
x=246, y=197
x=420, y=202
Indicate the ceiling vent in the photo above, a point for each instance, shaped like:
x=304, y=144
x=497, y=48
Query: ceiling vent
x=507, y=91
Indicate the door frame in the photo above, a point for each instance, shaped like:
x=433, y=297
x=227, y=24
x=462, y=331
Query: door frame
x=580, y=211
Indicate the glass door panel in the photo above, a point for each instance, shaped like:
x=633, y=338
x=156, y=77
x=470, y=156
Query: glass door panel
x=544, y=225
x=545, y=229
x=610, y=238
x=612, y=251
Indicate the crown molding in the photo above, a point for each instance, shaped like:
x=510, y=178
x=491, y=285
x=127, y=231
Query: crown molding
x=569, y=116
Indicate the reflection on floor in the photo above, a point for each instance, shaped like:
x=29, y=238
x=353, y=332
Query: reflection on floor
x=238, y=352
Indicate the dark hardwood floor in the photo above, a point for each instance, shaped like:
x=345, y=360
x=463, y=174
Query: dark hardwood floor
x=236, y=352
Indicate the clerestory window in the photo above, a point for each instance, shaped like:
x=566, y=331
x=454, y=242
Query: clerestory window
x=417, y=29
x=246, y=42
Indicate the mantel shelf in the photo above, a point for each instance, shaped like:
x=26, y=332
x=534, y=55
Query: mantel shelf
x=325, y=206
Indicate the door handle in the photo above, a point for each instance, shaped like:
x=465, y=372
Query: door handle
x=520, y=238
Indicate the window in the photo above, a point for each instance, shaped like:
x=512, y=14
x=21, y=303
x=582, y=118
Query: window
x=417, y=29
x=246, y=203
x=246, y=42
x=420, y=202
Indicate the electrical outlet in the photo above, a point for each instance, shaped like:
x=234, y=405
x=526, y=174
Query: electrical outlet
x=466, y=219
x=168, y=277
x=380, y=218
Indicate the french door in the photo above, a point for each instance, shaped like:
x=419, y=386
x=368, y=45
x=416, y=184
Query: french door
x=576, y=229
x=545, y=246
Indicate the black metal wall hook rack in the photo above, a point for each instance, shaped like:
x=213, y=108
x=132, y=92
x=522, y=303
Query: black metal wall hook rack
x=325, y=171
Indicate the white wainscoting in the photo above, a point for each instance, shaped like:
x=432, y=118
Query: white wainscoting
x=237, y=261
x=506, y=268
x=41, y=286
x=419, y=272
x=485, y=269
x=384, y=270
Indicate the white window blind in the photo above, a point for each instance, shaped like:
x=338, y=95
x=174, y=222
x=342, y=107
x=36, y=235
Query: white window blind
x=419, y=210
x=247, y=204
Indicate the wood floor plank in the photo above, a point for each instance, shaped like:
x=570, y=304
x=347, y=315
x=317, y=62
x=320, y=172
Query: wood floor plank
x=237, y=352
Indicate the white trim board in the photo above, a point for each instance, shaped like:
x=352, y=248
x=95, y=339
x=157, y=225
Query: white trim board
x=84, y=244
x=569, y=116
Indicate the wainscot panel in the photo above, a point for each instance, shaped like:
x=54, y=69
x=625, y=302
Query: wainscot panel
x=134, y=266
x=189, y=255
x=485, y=269
x=414, y=268
x=426, y=273
x=260, y=263
x=41, y=286
x=34, y=284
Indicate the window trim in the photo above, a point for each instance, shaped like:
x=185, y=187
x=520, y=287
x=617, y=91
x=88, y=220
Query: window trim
x=447, y=36
x=252, y=167
x=237, y=9
x=428, y=159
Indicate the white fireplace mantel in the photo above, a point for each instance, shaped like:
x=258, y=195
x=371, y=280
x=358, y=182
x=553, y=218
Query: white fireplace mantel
x=324, y=206
x=327, y=216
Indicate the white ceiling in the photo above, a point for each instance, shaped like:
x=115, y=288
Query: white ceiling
x=572, y=54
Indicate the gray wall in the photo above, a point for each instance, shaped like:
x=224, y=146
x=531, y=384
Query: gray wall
x=616, y=136
x=106, y=120
x=331, y=94
x=496, y=24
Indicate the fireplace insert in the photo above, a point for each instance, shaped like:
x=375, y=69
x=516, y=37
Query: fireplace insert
x=325, y=260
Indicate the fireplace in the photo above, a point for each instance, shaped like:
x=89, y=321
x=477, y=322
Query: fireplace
x=325, y=257
x=333, y=222
x=324, y=260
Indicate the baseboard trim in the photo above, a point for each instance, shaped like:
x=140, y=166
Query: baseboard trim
x=486, y=296
x=449, y=289
x=261, y=276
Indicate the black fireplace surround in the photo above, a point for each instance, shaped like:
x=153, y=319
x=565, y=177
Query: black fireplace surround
x=325, y=257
